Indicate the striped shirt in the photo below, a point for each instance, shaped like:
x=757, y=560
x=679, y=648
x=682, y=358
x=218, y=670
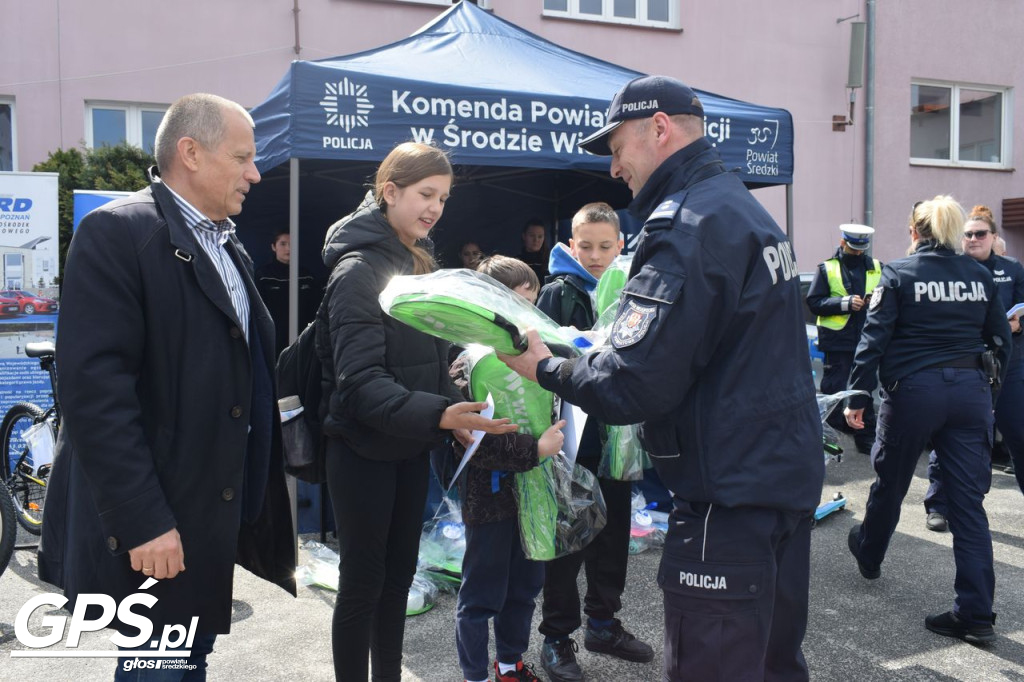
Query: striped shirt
x=211, y=236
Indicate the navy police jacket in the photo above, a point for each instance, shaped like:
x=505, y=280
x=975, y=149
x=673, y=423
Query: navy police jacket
x=931, y=308
x=708, y=350
x=1008, y=274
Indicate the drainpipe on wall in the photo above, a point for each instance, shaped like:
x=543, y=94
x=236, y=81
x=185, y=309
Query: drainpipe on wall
x=295, y=19
x=869, y=117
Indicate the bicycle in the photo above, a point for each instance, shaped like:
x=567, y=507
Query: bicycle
x=24, y=480
x=8, y=528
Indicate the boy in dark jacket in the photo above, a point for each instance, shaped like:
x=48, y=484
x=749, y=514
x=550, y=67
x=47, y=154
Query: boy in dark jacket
x=567, y=299
x=498, y=581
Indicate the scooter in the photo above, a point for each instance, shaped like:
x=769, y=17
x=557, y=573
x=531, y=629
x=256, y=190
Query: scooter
x=833, y=451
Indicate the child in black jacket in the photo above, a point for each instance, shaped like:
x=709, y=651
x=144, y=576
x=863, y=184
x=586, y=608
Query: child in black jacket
x=498, y=581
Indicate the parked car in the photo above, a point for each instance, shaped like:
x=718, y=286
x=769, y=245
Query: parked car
x=9, y=306
x=29, y=303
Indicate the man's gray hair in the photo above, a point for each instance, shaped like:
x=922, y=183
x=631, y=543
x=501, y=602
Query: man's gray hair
x=199, y=116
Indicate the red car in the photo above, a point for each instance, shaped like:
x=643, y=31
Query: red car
x=9, y=306
x=30, y=303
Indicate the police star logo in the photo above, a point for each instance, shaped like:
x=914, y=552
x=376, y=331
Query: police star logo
x=346, y=104
x=876, y=298
x=632, y=324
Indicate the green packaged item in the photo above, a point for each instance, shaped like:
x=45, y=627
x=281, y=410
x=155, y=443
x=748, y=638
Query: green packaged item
x=519, y=399
x=561, y=509
x=606, y=297
x=467, y=307
x=623, y=458
x=560, y=506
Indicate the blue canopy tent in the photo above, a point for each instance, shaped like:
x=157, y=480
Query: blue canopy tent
x=508, y=105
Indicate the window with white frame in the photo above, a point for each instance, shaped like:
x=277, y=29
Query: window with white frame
x=7, y=137
x=656, y=13
x=111, y=123
x=954, y=124
x=482, y=4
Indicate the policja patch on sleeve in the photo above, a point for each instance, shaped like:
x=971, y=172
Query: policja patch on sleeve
x=632, y=323
x=876, y=298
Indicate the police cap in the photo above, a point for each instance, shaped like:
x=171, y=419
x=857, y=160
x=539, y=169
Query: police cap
x=642, y=98
x=857, y=236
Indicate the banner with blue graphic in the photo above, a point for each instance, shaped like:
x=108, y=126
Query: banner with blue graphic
x=29, y=265
x=497, y=96
x=88, y=199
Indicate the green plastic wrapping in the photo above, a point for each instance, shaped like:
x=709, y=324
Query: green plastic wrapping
x=560, y=506
x=623, y=458
x=467, y=307
x=561, y=509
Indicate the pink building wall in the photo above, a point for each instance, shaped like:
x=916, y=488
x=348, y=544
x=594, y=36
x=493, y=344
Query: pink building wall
x=792, y=55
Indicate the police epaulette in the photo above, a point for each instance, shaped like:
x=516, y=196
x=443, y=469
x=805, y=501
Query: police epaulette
x=667, y=209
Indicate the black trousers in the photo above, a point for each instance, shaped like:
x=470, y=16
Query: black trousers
x=735, y=583
x=604, y=560
x=377, y=508
x=834, y=378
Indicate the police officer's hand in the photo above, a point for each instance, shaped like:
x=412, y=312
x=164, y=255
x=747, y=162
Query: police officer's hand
x=856, y=302
x=1015, y=324
x=162, y=557
x=465, y=416
x=526, y=364
x=855, y=418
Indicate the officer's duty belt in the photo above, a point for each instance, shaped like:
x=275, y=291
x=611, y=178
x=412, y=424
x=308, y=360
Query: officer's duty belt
x=967, y=362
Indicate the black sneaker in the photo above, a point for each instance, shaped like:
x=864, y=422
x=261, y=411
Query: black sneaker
x=522, y=673
x=559, y=660
x=949, y=625
x=853, y=542
x=936, y=522
x=616, y=641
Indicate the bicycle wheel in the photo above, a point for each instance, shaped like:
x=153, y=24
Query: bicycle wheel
x=27, y=490
x=8, y=528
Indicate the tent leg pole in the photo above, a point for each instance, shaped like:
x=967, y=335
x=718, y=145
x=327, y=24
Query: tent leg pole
x=293, y=309
x=789, y=212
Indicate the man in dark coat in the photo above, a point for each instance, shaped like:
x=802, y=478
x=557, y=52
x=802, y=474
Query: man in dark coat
x=169, y=463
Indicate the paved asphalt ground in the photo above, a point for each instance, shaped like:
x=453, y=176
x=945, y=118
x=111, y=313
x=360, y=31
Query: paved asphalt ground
x=859, y=631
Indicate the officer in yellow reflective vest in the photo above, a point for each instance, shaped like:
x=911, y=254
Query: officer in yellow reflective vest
x=839, y=296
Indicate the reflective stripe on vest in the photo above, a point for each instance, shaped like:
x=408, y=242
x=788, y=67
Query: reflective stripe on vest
x=838, y=290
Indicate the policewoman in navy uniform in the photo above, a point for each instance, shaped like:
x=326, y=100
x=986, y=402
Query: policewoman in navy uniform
x=713, y=292
x=1008, y=274
x=839, y=296
x=930, y=320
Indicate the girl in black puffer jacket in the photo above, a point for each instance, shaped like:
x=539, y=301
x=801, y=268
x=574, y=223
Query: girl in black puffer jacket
x=389, y=402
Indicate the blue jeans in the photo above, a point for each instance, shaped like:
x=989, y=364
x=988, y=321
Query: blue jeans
x=192, y=669
x=498, y=582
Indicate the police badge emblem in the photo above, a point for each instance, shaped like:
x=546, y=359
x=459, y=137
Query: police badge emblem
x=876, y=298
x=632, y=323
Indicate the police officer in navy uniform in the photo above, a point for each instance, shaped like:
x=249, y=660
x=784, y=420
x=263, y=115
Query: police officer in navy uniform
x=713, y=292
x=930, y=320
x=978, y=242
x=839, y=296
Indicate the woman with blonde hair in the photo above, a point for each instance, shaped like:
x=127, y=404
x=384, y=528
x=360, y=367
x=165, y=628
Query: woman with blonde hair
x=929, y=322
x=389, y=400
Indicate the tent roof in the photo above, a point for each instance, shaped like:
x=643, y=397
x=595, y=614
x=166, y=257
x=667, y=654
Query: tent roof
x=492, y=94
